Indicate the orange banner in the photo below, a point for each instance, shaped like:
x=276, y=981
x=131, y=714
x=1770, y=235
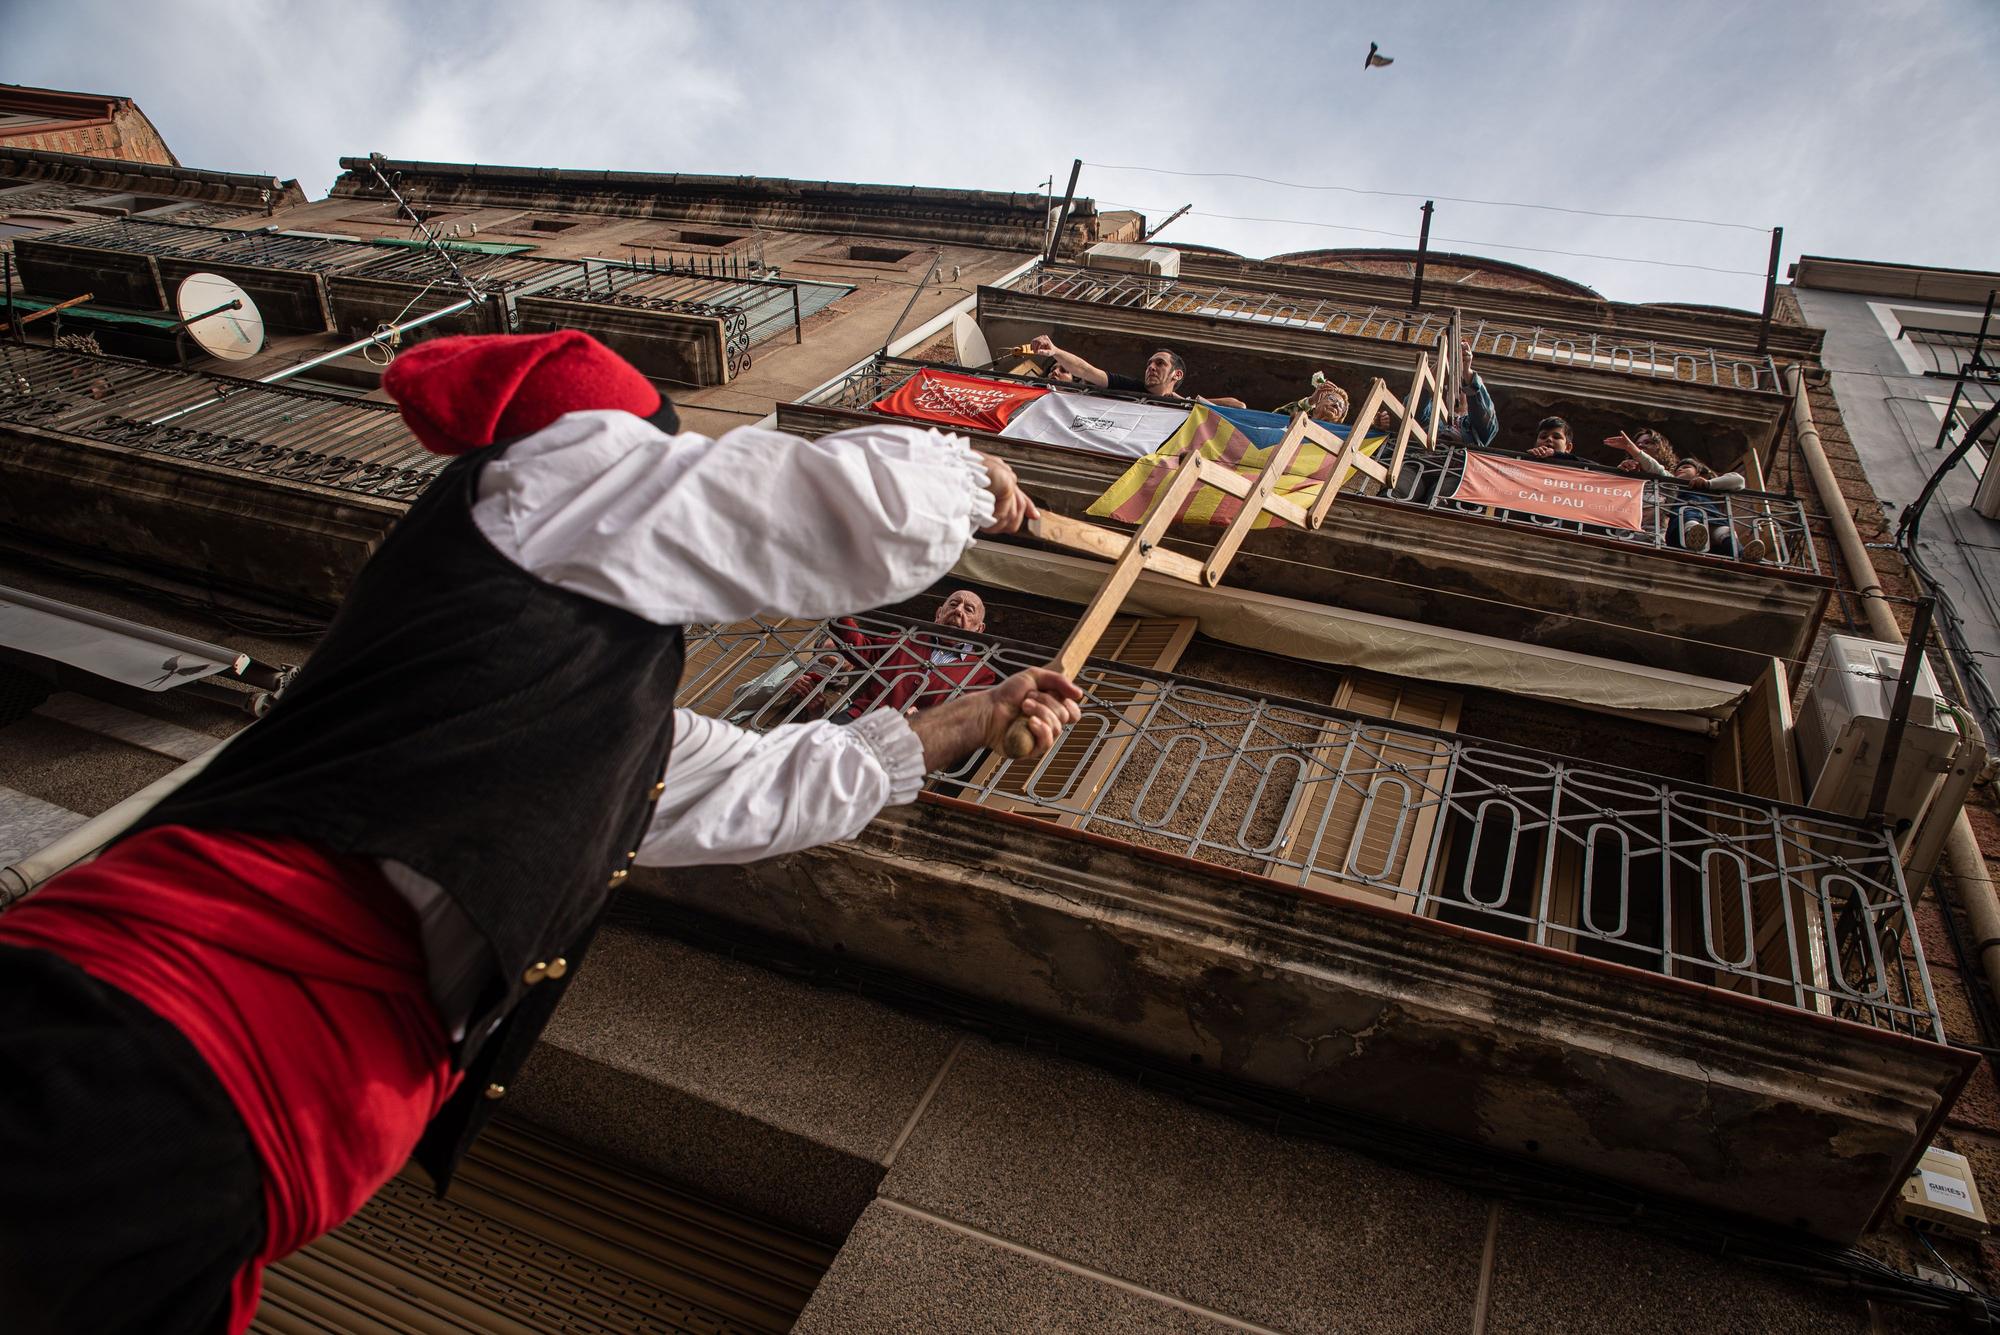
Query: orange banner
x=1553, y=490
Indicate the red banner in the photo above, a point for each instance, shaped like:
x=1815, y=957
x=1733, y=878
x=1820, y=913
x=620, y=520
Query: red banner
x=957, y=400
x=1553, y=490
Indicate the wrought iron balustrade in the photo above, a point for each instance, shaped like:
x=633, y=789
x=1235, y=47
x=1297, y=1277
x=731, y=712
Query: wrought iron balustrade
x=751, y=309
x=1626, y=354
x=213, y=245
x=1726, y=889
x=323, y=439
x=1430, y=476
x=1732, y=518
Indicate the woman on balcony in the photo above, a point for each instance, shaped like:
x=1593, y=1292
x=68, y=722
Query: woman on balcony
x=1696, y=521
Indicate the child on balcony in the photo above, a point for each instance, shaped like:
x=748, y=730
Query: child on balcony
x=1697, y=522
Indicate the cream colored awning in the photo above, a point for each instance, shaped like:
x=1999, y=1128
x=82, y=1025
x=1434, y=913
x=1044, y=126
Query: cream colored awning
x=109, y=646
x=1333, y=635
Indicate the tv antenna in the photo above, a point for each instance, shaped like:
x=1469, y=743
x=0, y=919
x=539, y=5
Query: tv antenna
x=375, y=163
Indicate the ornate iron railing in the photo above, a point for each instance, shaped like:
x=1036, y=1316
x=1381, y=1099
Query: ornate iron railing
x=751, y=309
x=216, y=245
x=1629, y=355
x=1726, y=889
x=1762, y=526
x=1428, y=479
x=323, y=439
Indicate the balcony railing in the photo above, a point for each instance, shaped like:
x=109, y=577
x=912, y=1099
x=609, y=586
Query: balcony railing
x=1398, y=324
x=751, y=309
x=1429, y=478
x=323, y=439
x=1725, y=889
x=214, y=245
x=1779, y=522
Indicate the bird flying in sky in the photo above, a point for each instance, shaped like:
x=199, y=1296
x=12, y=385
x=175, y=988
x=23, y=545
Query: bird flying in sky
x=1374, y=59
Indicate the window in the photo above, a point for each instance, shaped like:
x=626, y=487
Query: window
x=879, y=254
x=1368, y=803
x=389, y=215
x=40, y=222
x=683, y=238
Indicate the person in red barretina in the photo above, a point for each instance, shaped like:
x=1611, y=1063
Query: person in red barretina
x=334, y=947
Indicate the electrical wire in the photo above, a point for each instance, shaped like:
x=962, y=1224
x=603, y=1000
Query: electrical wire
x=1453, y=240
x=1449, y=199
x=1949, y=1269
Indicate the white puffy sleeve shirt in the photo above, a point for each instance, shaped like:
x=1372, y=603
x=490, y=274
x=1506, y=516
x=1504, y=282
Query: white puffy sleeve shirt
x=684, y=530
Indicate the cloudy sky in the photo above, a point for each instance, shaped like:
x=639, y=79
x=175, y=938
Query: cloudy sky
x=1857, y=125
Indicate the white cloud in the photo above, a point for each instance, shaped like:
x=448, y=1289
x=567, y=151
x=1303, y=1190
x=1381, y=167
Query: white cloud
x=1852, y=123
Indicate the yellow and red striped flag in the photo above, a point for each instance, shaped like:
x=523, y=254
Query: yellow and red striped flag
x=1216, y=438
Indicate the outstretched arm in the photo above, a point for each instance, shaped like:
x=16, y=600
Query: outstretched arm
x=1044, y=346
x=698, y=530
x=737, y=796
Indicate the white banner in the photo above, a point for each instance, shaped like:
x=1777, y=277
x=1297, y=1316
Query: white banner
x=1108, y=426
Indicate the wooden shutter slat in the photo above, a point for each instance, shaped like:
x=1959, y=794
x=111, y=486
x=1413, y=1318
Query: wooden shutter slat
x=1351, y=760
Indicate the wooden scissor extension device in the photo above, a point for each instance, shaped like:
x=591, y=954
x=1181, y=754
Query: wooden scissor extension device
x=1131, y=554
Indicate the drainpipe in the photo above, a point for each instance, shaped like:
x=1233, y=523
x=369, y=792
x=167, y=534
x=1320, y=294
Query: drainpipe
x=21, y=878
x=1961, y=849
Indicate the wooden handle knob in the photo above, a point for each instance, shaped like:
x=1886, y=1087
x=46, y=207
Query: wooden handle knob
x=1020, y=740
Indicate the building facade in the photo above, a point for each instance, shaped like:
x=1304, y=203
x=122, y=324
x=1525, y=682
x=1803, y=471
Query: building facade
x=91, y=125
x=1430, y=927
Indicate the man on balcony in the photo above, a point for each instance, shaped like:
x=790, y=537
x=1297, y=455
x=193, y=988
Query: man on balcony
x=1165, y=370
x=336, y=945
x=903, y=671
x=1473, y=422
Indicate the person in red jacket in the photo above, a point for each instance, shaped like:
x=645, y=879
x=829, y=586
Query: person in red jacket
x=900, y=672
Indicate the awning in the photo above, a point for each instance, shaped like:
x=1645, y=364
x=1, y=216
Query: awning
x=1319, y=634
x=108, y=646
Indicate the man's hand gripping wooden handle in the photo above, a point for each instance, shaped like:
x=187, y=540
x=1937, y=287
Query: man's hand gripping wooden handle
x=1038, y=702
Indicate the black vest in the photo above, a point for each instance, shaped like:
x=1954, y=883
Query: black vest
x=499, y=735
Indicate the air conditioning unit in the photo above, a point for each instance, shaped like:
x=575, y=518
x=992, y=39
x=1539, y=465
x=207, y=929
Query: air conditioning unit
x=1845, y=722
x=1127, y=257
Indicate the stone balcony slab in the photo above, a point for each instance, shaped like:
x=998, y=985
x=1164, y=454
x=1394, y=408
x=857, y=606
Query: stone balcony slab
x=1659, y=1083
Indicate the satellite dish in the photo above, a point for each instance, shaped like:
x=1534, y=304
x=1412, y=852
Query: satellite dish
x=970, y=342
x=233, y=334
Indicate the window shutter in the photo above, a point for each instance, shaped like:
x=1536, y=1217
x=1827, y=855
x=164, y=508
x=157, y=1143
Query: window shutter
x=1084, y=759
x=1754, y=755
x=1335, y=828
x=541, y=1236
x=1753, y=751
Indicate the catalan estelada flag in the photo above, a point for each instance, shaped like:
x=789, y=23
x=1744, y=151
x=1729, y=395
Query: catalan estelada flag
x=1209, y=432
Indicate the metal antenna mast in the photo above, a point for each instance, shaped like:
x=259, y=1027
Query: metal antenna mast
x=375, y=164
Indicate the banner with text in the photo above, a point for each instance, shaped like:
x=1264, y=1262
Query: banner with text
x=1108, y=426
x=1553, y=490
